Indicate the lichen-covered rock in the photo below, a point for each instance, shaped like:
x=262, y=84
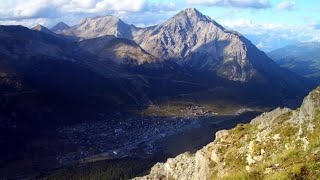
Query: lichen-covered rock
x=268, y=118
x=308, y=108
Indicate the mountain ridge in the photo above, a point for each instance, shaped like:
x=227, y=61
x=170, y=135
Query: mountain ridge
x=301, y=58
x=93, y=27
x=195, y=41
x=281, y=144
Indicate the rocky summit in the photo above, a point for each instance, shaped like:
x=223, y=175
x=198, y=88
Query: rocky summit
x=194, y=41
x=281, y=144
x=199, y=42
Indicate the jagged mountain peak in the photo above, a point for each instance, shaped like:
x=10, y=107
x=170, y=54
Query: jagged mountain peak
x=189, y=16
x=192, y=12
x=102, y=19
x=98, y=26
x=192, y=17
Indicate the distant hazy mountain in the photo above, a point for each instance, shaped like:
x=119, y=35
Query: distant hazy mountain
x=268, y=41
x=302, y=58
x=60, y=27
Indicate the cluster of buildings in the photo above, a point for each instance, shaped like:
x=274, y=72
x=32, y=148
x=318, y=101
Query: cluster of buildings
x=198, y=111
x=119, y=137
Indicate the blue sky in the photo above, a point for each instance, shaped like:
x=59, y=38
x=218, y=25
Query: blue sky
x=269, y=24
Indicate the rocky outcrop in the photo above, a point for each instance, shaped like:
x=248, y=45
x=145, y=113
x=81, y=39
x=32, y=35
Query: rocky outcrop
x=279, y=144
x=185, y=166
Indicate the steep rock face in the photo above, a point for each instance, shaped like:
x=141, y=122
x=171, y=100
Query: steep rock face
x=280, y=144
x=202, y=44
x=100, y=26
x=185, y=166
x=178, y=36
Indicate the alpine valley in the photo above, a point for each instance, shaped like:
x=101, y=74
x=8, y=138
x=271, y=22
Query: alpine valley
x=106, y=100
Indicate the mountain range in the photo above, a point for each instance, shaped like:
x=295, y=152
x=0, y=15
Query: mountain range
x=104, y=67
x=69, y=74
x=192, y=40
x=301, y=58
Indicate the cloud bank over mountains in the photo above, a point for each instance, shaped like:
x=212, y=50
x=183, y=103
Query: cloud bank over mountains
x=258, y=4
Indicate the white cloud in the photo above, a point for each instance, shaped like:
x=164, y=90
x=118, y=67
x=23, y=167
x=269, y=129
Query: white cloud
x=261, y=45
x=99, y=6
x=123, y=5
x=269, y=36
x=242, y=22
x=142, y=12
x=286, y=5
x=28, y=13
x=316, y=38
x=22, y=9
x=258, y=4
x=26, y=22
x=162, y=7
x=19, y=9
x=315, y=9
